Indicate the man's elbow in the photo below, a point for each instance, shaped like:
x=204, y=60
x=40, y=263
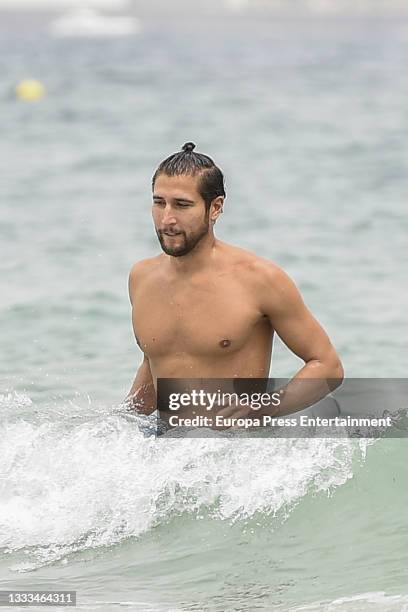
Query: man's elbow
x=336, y=373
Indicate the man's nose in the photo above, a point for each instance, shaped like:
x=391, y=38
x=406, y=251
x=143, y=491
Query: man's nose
x=168, y=216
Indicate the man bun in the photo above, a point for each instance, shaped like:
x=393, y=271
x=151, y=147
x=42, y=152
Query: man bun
x=188, y=147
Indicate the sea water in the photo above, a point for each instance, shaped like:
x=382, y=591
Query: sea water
x=309, y=122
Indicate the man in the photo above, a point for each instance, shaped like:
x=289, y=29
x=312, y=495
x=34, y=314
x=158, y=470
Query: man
x=207, y=309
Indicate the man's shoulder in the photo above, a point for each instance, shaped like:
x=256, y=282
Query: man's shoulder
x=144, y=266
x=142, y=270
x=271, y=287
x=254, y=267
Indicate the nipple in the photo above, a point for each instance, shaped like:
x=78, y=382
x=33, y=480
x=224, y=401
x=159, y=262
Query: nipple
x=225, y=343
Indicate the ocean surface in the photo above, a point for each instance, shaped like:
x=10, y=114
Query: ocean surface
x=309, y=122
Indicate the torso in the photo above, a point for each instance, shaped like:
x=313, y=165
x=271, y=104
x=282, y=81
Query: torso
x=208, y=326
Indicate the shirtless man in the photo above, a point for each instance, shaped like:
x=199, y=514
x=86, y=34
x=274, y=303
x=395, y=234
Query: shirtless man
x=207, y=309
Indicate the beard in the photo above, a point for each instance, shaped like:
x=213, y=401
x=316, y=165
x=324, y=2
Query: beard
x=185, y=243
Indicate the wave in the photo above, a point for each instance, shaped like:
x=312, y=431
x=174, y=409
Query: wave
x=78, y=477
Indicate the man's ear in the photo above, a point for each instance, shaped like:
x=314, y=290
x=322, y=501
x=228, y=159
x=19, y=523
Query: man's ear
x=216, y=208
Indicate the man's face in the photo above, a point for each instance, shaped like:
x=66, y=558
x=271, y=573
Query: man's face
x=179, y=213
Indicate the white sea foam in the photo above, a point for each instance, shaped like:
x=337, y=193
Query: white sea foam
x=13, y=400
x=68, y=484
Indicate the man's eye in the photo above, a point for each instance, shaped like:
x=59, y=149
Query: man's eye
x=182, y=205
x=158, y=203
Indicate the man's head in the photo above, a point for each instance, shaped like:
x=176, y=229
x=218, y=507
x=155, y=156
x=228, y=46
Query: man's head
x=188, y=195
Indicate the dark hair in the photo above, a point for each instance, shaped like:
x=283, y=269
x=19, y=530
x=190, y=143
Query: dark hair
x=211, y=183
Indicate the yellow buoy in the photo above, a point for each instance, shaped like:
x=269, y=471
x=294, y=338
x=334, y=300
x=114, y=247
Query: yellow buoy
x=30, y=90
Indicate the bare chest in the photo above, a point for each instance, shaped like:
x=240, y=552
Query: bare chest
x=200, y=320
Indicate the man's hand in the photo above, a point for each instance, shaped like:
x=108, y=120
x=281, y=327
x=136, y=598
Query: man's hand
x=142, y=395
x=138, y=401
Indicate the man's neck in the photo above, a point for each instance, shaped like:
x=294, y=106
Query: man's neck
x=197, y=260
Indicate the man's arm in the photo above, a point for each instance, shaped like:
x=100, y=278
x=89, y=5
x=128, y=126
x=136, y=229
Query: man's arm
x=142, y=395
x=281, y=301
